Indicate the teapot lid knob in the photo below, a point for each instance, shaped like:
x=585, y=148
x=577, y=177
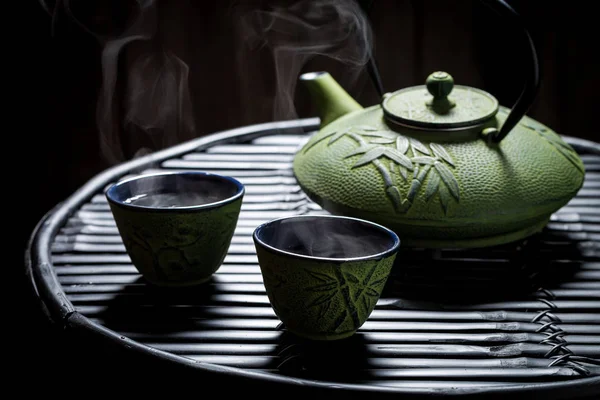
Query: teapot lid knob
x=439, y=85
x=439, y=105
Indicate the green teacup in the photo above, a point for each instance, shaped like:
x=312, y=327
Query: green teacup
x=324, y=274
x=176, y=226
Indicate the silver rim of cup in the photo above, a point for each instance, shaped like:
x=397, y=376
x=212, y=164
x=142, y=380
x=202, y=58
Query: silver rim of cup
x=376, y=256
x=110, y=195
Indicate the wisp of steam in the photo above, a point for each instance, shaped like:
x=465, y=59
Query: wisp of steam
x=295, y=33
x=145, y=95
x=144, y=103
x=327, y=238
x=298, y=31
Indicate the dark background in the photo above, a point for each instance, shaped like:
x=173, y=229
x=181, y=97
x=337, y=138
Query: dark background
x=232, y=84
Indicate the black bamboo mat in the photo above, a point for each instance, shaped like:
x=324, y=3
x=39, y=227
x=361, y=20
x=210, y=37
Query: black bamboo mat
x=450, y=321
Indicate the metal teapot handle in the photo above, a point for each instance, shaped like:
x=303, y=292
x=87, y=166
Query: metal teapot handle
x=532, y=69
x=532, y=77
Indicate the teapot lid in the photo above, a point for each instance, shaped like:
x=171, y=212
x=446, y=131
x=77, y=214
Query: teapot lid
x=439, y=105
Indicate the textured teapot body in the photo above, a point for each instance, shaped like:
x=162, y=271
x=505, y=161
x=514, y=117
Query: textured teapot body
x=440, y=189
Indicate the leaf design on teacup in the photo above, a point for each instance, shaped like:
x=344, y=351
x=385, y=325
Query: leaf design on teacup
x=357, y=296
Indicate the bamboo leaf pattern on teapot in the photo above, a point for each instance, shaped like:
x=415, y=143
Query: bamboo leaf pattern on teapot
x=393, y=155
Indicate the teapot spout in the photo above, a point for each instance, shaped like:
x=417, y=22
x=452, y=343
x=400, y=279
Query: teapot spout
x=331, y=99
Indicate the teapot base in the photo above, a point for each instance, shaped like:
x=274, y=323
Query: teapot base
x=452, y=243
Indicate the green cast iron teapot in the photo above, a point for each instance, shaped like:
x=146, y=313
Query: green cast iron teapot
x=442, y=165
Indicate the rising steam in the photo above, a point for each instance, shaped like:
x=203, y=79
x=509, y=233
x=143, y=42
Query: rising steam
x=296, y=33
x=326, y=237
x=144, y=99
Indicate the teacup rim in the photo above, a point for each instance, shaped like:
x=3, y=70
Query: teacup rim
x=378, y=256
x=239, y=193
